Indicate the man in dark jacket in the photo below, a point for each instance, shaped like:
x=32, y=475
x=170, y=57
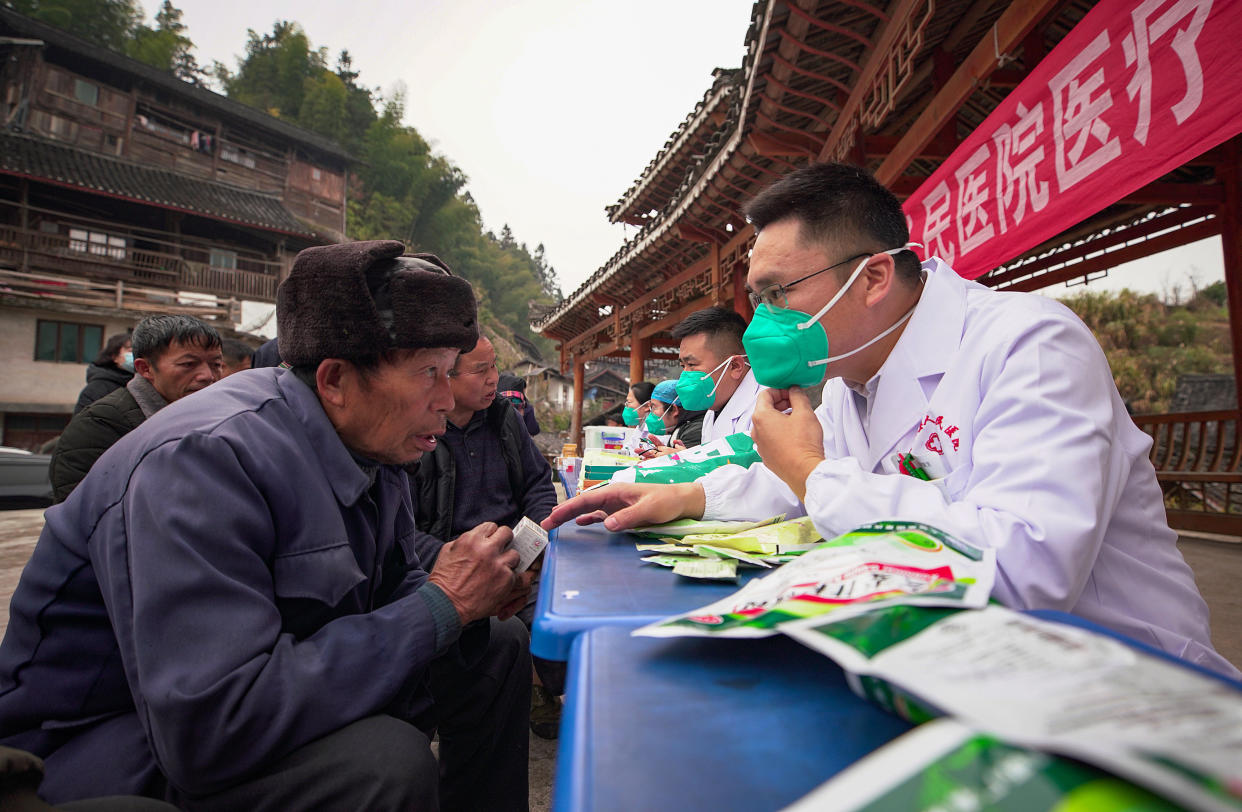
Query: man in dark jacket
x=486, y=468
x=230, y=612
x=173, y=357
x=110, y=370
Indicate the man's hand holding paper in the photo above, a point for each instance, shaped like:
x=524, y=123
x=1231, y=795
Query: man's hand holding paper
x=788, y=436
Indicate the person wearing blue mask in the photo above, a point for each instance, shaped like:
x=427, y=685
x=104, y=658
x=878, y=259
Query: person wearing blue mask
x=716, y=376
x=991, y=415
x=112, y=369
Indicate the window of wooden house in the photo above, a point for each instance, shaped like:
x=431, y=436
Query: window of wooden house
x=86, y=92
x=97, y=243
x=221, y=258
x=237, y=155
x=67, y=342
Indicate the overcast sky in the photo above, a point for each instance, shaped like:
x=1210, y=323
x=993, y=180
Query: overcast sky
x=553, y=108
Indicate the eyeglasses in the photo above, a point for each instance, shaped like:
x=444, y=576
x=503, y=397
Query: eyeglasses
x=777, y=295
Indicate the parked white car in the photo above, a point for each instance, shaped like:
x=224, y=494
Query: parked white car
x=24, y=480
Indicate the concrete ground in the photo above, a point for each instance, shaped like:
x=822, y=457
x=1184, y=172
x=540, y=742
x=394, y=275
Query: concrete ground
x=1216, y=561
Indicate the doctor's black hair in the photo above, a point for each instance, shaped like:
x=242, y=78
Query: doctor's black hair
x=721, y=326
x=838, y=205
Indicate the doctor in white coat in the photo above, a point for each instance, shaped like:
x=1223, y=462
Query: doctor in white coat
x=715, y=373
x=1003, y=401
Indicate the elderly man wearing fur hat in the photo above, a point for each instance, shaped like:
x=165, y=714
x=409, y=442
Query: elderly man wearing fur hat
x=230, y=613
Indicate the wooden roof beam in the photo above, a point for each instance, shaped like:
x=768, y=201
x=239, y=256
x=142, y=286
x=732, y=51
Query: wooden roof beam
x=802, y=46
x=824, y=25
x=878, y=146
x=782, y=145
x=1009, y=30
x=818, y=77
x=902, y=15
x=701, y=234
x=1176, y=193
x=1101, y=242
x=1104, y=262
x=784, y=88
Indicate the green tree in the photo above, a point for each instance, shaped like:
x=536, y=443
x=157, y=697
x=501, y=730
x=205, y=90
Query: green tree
x=109, y=23
x=274, y=73
x=166, y=46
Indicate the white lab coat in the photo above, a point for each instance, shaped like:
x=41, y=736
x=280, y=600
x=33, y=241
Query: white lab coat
x=1009, y=398
x=736, y=414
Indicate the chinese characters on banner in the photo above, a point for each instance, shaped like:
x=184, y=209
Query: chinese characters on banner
x=1138, y=88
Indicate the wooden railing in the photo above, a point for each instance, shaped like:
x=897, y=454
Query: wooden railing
x=1197, y=459
x=121, y=295
x=35, y=251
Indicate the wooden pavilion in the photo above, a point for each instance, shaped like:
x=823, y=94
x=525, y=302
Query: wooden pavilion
x=895, y=87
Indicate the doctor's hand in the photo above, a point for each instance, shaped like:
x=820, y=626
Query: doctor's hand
x=791, y=445
x=475, y=572
x=623, y=505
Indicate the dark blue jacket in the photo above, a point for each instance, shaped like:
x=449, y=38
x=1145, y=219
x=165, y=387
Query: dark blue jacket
x=228, y=573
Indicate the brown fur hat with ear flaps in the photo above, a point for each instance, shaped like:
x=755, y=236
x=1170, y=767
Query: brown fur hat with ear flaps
x=360, y=299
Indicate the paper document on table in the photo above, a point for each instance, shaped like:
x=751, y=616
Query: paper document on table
x=686, y=527
x=529, y=539
x=946, y=765
x=708, y=568
x=881, y=564
x=1055, y=687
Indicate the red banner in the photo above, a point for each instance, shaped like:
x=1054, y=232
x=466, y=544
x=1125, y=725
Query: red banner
x=1138, y=88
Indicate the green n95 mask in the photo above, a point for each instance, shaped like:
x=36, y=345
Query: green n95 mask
x=655, y=423
x=788, y=347
x=629, y=416
x=697, y=390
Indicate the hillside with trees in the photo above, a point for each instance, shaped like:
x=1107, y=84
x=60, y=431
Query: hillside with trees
x=400, y=189
x=1150, y=342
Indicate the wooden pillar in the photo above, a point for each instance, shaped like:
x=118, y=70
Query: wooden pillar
x=640, y=348
x=1231, y=243
x=719, y=296
x=24, y=221
x=741, y=302
x=575, y=426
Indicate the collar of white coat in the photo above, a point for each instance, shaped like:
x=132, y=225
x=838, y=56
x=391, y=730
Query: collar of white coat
x=925, y=350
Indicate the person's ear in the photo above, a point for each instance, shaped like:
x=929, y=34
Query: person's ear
x=143, y=367
x=335, y=378
x=878, y=279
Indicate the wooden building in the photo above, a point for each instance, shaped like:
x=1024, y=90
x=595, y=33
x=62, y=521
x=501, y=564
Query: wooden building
x=897, y=86
x=124, y=192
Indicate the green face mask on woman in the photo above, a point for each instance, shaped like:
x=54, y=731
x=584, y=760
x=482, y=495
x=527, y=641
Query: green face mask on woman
x=655, y=423
x=629, y=416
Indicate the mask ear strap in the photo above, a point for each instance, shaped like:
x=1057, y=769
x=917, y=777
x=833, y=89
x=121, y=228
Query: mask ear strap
x=838, y=295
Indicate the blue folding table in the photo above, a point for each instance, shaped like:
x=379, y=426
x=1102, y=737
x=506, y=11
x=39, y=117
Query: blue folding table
x=697, y=723
x=703, y=724
x=593, y=578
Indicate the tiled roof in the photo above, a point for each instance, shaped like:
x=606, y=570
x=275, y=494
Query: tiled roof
x=42, y=159
x=11, y=21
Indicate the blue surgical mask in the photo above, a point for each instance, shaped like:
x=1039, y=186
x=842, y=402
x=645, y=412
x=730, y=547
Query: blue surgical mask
x=788, y=347
x=128, y=362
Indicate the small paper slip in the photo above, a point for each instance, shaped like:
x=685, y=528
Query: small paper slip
x=707, y=568
x=529, y=539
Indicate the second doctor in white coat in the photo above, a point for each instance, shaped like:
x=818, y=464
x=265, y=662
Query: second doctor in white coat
x=1005, y=399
